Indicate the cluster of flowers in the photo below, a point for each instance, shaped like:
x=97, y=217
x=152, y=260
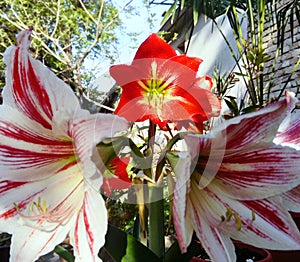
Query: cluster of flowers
x=237, y=181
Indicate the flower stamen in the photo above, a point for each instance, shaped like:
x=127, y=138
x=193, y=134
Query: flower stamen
x=38, y=210
x=232, y=214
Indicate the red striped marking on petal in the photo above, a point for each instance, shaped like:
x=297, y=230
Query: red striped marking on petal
x=76, y=236
x=28, y=92
x=11, y=130
x=23, y=158
x=89, y=231
x=7, y=185
x=270, y=215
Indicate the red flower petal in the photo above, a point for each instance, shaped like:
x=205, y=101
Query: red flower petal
x=122, y=181
x=119, y=165
x=154, y=47
x=192, y=63
x=29, y=94
x=161, y=86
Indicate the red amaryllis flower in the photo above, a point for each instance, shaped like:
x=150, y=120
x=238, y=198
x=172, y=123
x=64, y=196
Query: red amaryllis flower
x=118, y=177
x=162, y=86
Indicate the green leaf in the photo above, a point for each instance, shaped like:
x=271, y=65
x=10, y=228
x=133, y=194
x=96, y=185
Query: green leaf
x=250, y=109
x=125, y=248
x=110, y=147
x=170, y=12
x=174, y=255
x=196, y=7
x=64, y=253
x=232, y=105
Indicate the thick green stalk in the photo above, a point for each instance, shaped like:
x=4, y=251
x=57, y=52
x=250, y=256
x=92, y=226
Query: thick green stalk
x=156, y=221
x=156, y=207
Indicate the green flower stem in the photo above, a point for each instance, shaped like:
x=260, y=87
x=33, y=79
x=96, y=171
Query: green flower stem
x=156, y=207
x=156, y=221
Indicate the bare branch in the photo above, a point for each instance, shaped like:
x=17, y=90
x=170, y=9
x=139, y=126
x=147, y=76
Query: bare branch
x=100, y=32
x=57, y=18
x=87, y=12
x=97, y=104
x=67, y=60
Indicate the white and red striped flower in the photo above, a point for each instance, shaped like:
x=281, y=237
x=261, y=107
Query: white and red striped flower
x=48, y=181
x=230, y=186
x=289, y=135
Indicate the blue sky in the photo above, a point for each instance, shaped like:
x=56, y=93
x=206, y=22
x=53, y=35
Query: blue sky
x=138, y=23
x=135, y=23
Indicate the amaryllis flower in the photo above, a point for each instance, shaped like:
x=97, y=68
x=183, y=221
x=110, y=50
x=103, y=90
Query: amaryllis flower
x=289, y=135
x=116, y=176
x=229, y=187
x=48, y=182
x=162, y=86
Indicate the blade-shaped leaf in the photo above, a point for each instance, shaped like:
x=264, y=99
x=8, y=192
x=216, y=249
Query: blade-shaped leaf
x=174, y=255
x=64, y=253
x=124, y=247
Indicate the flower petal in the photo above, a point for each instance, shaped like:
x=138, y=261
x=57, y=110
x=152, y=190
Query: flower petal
x=59, y=196
x=87, y=131
x=117, y=177
x=193, y=103
x=184, y=231
x=253, y=173
x=29, y=151
x=257, y=127
x=272, y=226
x=38, y=228
x=29, y=244
x=262, y=223
x=154, y=47
x=31, y=87
x=88, y=234
x=242, y=156
x=218, y=246
x=291, y=199
x=179, y=71
x=288, y=133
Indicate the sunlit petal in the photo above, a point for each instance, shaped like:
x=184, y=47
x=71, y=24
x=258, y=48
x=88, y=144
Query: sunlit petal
x=272, y=225
x=31, y=87
x=288, y=133
x=85, y=132
x=88, y=234
x=154, y=47
x=29, y=151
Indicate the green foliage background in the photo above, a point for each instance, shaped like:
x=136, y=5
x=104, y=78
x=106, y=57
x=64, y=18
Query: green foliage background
x=66, y=34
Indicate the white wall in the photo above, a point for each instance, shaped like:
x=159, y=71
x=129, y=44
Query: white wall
x=208, y=44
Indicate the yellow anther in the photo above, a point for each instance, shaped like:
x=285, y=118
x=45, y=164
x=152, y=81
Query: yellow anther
x=238, y=221
x=32, y=204
x=44, y=207
x=253, y=215
x=231, y=214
